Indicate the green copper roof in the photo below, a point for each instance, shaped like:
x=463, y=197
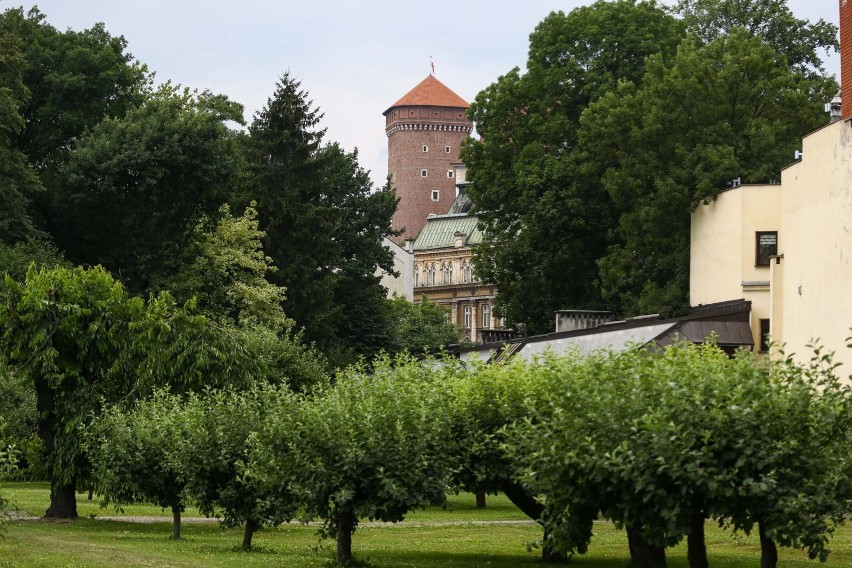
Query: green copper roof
x=440, y=232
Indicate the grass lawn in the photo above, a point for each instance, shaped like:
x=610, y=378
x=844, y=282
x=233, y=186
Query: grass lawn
x=427, y=539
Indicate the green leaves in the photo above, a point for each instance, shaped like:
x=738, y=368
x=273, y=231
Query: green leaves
x=656, y=440
x=372, y=445
x=536, y=200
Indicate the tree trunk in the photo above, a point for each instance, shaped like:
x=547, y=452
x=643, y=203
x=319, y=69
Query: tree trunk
x=696, y=552
x=251, y=526
x=176, y=522
x=642, y=554
x=63, y=502
x=345, y=528
x=63, y=498
x=768, y=550
x=522, y=499
x=480, y=499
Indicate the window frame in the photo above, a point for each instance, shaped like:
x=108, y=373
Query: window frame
x=764, y=326
x=758, y=257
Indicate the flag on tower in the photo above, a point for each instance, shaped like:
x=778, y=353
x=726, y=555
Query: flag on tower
x=432, y=64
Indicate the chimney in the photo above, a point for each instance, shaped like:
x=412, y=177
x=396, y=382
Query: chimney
x=846, y=57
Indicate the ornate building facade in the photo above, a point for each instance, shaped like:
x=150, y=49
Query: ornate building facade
x=444, y=271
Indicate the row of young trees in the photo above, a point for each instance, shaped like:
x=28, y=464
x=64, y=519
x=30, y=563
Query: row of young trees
x=656, y=442
x=629, y=115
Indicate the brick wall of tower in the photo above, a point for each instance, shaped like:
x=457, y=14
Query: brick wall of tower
x=846, y=57
x=409, y=129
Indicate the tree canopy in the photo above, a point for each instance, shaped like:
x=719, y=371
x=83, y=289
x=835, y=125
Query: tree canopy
x=136, y=185
x=544, y=217
x=81, y=341
x=686, y=132
x=591, y=161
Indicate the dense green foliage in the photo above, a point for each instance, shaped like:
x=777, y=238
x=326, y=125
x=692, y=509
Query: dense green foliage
x=660, y=442
x=800, y=41
x=372, y=447
x=134, y=185
x=419, y=328
x=536, y=203
x=139, y=456
x=323, y=226
x=78, y=339
x=18, y=182
x=592, y=161
x=673, y=142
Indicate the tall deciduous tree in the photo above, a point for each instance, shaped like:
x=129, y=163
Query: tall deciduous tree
x=18, y=182
x=771, y=20
x=730, y=109
x=225, y=269
x=545, y=219
x=77, y=337
x=75, y=79
x=136, y=185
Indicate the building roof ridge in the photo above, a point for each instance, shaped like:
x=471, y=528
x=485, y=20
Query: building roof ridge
x=430, y=92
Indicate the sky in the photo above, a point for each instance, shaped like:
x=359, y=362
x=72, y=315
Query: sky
x=354, y=57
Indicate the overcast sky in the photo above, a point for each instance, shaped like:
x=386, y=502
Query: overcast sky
x=355, y=57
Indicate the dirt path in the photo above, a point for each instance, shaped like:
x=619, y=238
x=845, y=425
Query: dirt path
x=146, y=519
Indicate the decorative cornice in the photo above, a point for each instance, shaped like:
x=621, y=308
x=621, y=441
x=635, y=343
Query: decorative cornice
x=427, y=126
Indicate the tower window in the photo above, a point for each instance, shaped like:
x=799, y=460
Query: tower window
x=447, y=149
x=425, y=148
x=423, y=173
x=436, y=195
x=449, y=173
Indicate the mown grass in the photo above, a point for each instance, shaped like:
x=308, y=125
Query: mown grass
x=424, y=540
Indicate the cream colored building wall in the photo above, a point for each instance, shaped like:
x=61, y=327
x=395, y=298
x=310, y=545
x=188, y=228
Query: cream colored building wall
x=723, y=248
x=816, y=218
x=403, y=264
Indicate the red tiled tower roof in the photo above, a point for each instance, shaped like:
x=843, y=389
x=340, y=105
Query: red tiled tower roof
x=430, y=92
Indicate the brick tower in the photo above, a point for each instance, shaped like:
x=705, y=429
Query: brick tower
x=425, y=129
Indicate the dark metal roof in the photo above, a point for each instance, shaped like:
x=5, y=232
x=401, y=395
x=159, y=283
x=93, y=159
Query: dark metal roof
x=728, y=321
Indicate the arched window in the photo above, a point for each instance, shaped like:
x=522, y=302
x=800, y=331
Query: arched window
x=465, y=270
x=417, y=275
x=444, y=273
x=450, y=273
